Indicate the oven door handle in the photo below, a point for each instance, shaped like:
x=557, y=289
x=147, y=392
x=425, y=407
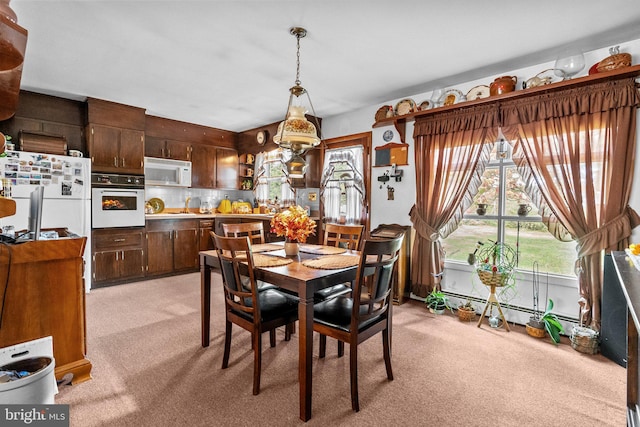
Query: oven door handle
x=118, y=193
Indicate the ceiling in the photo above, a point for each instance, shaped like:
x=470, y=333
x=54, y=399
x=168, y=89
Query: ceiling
x=230, y=63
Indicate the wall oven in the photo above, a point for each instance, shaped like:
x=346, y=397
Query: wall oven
x=117, y=200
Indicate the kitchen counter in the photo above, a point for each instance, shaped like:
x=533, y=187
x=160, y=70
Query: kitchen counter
x=178, y=215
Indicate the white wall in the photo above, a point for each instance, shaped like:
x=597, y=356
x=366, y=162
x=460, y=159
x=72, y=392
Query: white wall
x=459, y=278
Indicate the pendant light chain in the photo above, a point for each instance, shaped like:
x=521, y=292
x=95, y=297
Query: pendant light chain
x=298, y=61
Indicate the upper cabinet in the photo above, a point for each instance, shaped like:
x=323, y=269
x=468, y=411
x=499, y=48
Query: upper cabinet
x=214, y=167
x=167, y=148
x=115, y=136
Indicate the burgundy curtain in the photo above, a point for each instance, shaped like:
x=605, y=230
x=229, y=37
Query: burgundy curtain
x=579, y=146
x=447, y=151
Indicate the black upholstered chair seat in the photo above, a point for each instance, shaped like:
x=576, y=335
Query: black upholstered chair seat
x=262, y=286
x=273, y=304
x=337, y=313
x=331, y=292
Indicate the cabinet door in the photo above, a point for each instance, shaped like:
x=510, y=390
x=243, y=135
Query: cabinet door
x=185, y=249
x=103, y=148
x=204, y=239
x=132, y=263
x=105, y=266
x=178, y=150
x=219, y=221
x=131, y=159
x=314, y=168
x=203, y=166
x=159, y=252
x=154, y=147
x=226, y=168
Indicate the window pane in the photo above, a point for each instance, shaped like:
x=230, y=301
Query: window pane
x=488, y=193
x=459, y=244
x=515, y=194
x=533, y=242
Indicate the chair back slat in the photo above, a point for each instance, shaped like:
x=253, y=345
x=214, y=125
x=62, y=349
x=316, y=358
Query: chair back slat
x=344, y=236
x=254, y=230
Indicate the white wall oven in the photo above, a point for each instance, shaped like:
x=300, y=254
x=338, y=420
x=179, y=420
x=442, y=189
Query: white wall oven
x=117, y=200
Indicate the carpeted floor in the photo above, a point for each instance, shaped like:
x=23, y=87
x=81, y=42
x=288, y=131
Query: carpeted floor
x=149, y=369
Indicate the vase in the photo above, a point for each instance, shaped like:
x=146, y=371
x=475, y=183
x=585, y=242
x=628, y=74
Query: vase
x=291, y=248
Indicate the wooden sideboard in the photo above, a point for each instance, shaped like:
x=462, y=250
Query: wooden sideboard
x=629, y=279
x=42, y=287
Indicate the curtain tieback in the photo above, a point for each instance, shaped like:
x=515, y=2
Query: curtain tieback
x=423, y=229
x=608, y=234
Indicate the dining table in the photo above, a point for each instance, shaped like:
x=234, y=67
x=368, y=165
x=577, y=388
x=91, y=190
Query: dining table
x=314, y=268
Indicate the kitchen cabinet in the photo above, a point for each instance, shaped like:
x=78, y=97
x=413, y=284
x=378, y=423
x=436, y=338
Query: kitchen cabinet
x=313, y=174
x=167, y=149
x=118, y=255
x=116, y=150
x=172, y=246
x=214, y=167
x=205, y=227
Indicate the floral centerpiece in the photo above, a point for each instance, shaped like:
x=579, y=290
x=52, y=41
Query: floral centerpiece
x=294, y=224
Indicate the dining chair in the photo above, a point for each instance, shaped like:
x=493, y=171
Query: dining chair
x=255, y=231
x=356, y=317
x=253, y=310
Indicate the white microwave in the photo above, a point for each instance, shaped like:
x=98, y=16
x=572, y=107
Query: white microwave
x=175, y=173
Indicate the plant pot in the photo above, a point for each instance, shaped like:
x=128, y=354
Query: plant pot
x=466, y=314
x=436, y=310
x=291, y=248
x=535, y=331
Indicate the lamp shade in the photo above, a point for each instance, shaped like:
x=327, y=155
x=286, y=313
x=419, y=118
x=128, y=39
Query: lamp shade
x=296, y=132
x=296, y=166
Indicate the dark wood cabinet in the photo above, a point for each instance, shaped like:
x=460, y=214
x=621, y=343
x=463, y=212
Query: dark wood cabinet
x=116, y=150
x=172, y=246
x=167, y=149
x=205, y=242
x=313, y=174
x=118, y=255
x=214, y=167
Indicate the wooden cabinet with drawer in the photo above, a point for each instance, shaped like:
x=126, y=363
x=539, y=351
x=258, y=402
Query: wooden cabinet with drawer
x=205, y=227
x=118, y=255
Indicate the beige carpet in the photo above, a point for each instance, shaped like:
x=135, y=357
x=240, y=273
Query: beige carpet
x=150, y=370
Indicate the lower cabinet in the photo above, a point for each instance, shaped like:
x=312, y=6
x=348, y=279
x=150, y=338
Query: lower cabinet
x=118, y=255
x=205, y=227
x=172, y=246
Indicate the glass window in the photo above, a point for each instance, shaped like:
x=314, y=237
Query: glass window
x=502, y=211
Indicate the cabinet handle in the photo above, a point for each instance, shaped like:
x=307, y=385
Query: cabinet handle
x=117, y=256
x=169, y=152
x=122, y=255
x=123, y=165
x=162, y=152
x=118, y=240
x=115, y=161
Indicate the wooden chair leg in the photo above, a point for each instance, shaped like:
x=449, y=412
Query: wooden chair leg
x=272, y=337
x=340, y=348
x=323, y=346
x=287, y=331
x=386, y=349
x=257, y=361
x=227, y=344
x=353, y=358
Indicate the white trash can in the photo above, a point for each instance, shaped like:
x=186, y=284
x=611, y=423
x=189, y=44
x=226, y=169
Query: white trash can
x=36, y=358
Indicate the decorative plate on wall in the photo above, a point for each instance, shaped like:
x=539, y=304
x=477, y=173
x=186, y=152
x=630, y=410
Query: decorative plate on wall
x=478, y=92
x=384, y=112
x=387, y=135
x=405, y=106
x=425, y=105
x=451, y=96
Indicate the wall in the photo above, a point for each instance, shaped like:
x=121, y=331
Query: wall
x=459, y=278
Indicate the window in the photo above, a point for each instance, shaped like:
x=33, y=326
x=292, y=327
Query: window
x=502, y=195
x=271, y=180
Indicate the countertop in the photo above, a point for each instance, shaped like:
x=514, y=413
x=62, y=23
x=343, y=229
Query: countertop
x=178, y=215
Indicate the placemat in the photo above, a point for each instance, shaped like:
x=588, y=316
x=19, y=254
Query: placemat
x=265, y=247
x=322, y=250
x=260, y=260
x=332, y=262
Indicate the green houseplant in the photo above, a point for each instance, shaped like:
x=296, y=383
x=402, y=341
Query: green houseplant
x=548, y=322
x=437, y=302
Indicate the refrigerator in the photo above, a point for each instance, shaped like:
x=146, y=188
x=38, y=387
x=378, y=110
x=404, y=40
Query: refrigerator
x=67, y=194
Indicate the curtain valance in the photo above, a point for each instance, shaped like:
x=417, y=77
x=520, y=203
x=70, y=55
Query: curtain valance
x=472, y=118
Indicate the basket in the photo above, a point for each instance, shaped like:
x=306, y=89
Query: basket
x=535, y=332
x=613, y=62
x=490, y=278
x=584, y=340
x=466, y=315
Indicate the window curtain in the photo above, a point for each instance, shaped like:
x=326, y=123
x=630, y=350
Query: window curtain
x=331, y=188
x=579, y=148
x=451, y=149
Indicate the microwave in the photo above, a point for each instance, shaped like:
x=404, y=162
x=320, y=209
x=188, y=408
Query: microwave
x=174, y=173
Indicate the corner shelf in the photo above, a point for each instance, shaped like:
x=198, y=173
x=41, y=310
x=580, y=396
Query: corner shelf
x=400, y=122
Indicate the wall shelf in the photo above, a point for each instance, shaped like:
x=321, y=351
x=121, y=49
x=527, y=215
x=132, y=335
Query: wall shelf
x=400, y=122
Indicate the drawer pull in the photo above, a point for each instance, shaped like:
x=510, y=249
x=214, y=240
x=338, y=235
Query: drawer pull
x=118, y=240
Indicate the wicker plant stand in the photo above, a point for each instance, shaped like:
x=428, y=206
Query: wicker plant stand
x=493, y=280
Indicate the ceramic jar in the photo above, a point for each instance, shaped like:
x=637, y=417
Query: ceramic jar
x=503, y=84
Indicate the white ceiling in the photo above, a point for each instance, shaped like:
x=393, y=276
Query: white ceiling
x=229, y=63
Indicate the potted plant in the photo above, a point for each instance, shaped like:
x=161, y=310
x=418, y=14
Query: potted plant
x=437, y=302
x=466, y=312
x=548, y=322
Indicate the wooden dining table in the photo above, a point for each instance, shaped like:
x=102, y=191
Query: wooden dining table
x=296, y=277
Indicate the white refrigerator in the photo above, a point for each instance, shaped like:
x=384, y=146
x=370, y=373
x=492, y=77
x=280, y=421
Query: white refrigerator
x=67, y=194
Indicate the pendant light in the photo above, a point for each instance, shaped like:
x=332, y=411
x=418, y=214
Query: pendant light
x=295, y=132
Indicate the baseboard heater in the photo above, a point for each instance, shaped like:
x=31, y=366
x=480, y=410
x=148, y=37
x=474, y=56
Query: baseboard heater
x=483, y=301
